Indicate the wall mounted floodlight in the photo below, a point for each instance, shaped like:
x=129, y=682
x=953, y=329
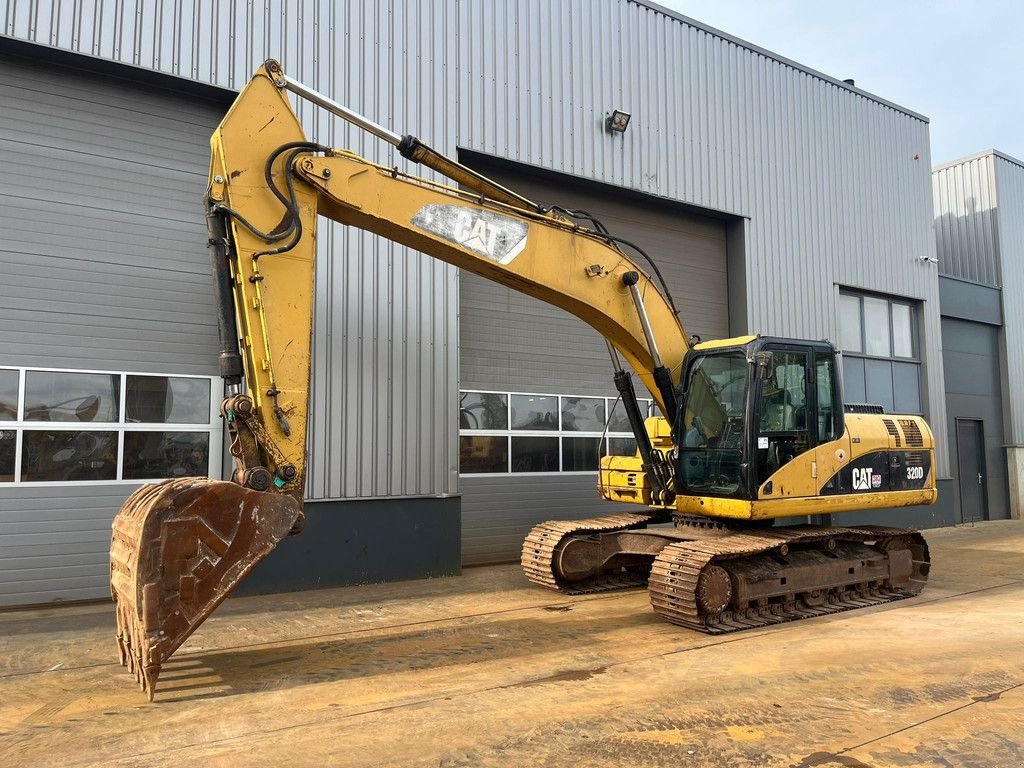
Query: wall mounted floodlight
x=617, y=121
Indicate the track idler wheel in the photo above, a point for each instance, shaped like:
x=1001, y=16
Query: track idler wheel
x=178, y=549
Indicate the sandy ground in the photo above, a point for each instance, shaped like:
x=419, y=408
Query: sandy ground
x=486, y=670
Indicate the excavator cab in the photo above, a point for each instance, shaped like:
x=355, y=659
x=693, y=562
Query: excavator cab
x=749, y=407
x=762, y=433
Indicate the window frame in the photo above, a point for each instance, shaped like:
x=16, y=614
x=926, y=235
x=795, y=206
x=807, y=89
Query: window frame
x=214, y=427
x=913, y=306
x=560, y=433
x=891, y=300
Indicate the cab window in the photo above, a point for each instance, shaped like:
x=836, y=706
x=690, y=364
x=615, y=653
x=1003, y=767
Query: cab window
x=714, y=425
x=783, y=430
x=828, y=428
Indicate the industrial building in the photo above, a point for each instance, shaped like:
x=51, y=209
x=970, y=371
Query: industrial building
x=450, y=414
x=979, y=225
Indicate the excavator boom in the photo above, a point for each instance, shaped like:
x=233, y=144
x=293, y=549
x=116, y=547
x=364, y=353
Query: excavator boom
x=180, y=547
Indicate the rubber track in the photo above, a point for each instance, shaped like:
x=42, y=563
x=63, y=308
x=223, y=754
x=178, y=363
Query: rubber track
x=676, y=569
x=541, y=546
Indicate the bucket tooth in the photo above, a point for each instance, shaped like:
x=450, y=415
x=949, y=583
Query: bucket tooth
x=177, y=549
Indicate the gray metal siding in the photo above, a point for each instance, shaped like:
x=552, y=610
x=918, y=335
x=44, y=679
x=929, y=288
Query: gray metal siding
x=972, y=373
x=970, y=301
x=1009, y=181
x=54, y=542
x=836, y=186
x=965, y=220
x=104, y=249
x=979, y=215
x=835, y=182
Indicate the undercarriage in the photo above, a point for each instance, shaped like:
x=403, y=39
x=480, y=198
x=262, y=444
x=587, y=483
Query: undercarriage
x=715, y=578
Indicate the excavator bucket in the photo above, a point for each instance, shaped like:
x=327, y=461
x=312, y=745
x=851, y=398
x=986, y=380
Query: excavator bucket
x=178, y=549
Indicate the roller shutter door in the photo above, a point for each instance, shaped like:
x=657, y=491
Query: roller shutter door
x=970, y=364
x=104, y=268
x=510, y=342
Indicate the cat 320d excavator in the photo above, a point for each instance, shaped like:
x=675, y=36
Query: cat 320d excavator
x=751, y=429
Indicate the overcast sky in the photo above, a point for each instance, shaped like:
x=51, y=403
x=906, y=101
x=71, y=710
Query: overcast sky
x=958, y=63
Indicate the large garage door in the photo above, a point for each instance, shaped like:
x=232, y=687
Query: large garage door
x=105, y=286
x=970, y=363
x=516, y=346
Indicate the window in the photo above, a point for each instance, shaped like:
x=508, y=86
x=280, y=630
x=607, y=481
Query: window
x=881, y=362
x=783, y=432
x=714, y=424
x=783, y=394
x=512, y=432
x=826, y=418
x=93, y=426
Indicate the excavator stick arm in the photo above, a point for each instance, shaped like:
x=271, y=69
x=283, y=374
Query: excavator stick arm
x=180, y=547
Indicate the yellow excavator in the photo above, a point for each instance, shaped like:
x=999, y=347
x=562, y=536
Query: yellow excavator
x=751, y=429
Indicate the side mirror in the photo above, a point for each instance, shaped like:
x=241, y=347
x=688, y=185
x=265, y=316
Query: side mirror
x=765, y=362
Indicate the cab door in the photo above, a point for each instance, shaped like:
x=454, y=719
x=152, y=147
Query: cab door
x=784, y=421
x=832, y=444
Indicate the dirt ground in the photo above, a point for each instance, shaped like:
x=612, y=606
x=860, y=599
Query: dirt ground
x=486, y=670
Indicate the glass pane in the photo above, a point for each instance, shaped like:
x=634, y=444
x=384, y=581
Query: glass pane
x=854, y=390
x=583, y=414
x=619, y=422
x=716, y=401
x=714, y=424
x=823, y=375
x=534, y=454
x=156, y=455
x=483, y=410
x=784, y=394
x=483, y=453
x=534, y=412
x=906, y=384
x=60, y=396
x=167, y=400
x=876, y=327
x=878, y=375
x=849, y=323
x=8, y=395
x=8, y=442
x=621, y=446
x=902, y=331
x=581, y=454
x=52, y=455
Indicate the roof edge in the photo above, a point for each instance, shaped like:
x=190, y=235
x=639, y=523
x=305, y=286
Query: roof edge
x=978, y=156
x=777, y=57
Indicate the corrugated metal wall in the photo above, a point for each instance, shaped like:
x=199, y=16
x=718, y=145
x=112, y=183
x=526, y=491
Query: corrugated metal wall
x=384, y=390
x=836, y=185
x=965, y=219
x=1009, y=182
x=979, y=220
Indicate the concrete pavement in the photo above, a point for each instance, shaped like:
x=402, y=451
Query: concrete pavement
x=487, y=670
